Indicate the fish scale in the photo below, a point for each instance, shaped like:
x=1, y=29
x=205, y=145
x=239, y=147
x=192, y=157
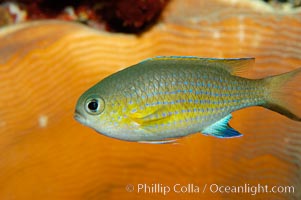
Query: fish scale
x=170, y=97
x=180, y=97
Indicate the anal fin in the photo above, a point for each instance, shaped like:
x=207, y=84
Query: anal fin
x=222, y=129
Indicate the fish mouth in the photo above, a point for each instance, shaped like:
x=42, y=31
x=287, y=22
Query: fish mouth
x=79, y=117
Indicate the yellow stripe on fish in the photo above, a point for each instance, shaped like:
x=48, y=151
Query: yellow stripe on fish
x=170, y=97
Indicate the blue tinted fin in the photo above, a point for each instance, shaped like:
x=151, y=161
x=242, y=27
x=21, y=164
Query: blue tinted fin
x=221, y=129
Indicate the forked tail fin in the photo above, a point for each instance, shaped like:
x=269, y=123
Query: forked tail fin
x=284, y=94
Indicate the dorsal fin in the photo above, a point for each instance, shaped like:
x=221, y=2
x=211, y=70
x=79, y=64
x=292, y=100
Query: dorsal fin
x=235, y=66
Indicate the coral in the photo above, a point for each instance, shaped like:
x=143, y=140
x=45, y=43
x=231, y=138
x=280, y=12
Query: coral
x=5, y=17
x=277, y=3
x=118, y=15
x=132, y=15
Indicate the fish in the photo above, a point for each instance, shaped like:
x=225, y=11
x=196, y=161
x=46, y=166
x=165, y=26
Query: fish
x=164, y=98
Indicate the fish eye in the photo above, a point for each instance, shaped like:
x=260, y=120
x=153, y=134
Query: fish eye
x=94, y=105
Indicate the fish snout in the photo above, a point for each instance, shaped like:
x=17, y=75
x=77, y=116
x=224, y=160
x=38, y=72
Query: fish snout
x=79, y=117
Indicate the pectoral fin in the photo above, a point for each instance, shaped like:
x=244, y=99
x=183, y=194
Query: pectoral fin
x=150, y=116
x=221, y=129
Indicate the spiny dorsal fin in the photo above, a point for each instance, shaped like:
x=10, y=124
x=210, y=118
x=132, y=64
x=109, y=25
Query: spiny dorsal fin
x=235, y=66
